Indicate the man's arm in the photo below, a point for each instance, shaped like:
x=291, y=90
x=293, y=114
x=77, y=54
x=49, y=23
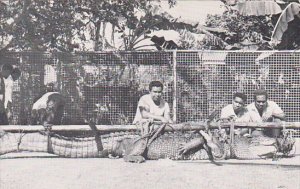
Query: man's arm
x=2, y=92
x=225, y=117
x=167, y=113
x=280, y=117
x=145, y=112
x=277, y=113
x=223, y=114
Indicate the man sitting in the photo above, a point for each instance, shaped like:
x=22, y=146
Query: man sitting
x=152, y=106
x=237, y=112
x=264, y=110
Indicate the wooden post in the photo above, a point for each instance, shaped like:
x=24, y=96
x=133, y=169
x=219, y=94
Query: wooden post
x=97, y=136
x=231, y=131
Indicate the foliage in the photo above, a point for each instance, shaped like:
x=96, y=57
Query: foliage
x=39, y=25
x=72, y=24
x=243, y=31
x=250, y=32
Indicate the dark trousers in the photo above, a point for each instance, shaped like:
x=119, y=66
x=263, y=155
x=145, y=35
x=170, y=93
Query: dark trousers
x=3, y=118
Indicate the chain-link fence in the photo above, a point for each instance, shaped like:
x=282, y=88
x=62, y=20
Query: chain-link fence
x=106, y=86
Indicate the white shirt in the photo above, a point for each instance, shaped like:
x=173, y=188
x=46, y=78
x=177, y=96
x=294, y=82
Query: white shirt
x=147, y=102
x=271, y=109
x=228, y=112
x=9, y=84
x=42, y=102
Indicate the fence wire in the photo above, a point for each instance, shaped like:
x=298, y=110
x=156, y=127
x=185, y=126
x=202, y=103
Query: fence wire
x=208, y=79
x=106, y=86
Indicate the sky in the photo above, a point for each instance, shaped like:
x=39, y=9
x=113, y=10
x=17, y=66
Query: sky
x=191, y=11
x=194, y=10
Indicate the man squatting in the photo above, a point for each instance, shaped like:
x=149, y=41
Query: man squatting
x=261, y=110
x=152, y=107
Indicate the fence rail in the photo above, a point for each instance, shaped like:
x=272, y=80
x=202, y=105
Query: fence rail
x=188, y=126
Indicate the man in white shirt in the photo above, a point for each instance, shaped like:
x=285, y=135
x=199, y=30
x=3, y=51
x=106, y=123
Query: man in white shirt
x=5, y=72
x=9, y=84
x=236, y=112
x=152, y=106
x=264, y=110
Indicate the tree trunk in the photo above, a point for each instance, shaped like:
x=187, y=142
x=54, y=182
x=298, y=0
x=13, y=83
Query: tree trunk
x=103, y=36
x=113, y=35
x=97, y=35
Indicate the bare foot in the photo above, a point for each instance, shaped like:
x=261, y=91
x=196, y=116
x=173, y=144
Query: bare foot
x=103, y=153
x=134, y=159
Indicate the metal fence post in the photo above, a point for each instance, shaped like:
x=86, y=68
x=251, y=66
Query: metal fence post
x=174, y=86
x=59, y=73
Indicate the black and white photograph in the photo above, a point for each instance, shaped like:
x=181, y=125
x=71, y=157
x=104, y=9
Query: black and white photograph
x=149, y=94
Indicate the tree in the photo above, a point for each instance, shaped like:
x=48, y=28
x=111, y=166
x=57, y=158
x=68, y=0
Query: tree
x=255, y=22
x=65, y=25
x=244, y=32
x=39, y=25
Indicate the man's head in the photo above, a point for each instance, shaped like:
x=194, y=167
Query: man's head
x=156, y=88
x=239, y=101
x=50, y=87
x=6, y=70
x=260, y=99
x=15, y=74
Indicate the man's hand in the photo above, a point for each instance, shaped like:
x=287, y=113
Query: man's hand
x=164, y=120
x=267, y=117
x=228, y=119
x=9, y=114
x=186, y=147
x=47, y=126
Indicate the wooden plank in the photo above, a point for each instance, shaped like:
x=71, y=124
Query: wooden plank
x=188, y=126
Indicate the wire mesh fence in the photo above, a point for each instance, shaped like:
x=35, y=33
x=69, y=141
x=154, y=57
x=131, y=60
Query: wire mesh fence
x=106, y=86
x=211, y=78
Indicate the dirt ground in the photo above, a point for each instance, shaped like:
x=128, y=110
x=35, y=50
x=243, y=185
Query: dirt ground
x=59, y=173
x=45, y=171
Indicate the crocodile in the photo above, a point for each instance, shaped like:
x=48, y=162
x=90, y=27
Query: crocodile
x=117, y=144
x=166, y=145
